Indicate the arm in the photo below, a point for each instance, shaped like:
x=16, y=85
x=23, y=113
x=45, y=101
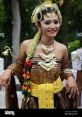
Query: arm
x=67, y=74
x=18, y=66
x=15, y=68
x=65, y=70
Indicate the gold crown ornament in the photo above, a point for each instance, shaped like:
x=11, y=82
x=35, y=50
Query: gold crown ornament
x=44, y=5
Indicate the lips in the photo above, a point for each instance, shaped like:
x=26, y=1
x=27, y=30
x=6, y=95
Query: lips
x=52, y=31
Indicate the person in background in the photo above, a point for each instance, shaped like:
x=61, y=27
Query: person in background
x=42, y=63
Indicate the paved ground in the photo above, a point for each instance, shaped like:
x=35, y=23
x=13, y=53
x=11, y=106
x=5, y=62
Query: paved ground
x=2, y=99
x=2, y=94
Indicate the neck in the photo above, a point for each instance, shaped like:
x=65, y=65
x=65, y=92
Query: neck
x=47, y=41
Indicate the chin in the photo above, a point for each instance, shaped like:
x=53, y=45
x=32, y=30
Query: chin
x=52, y=36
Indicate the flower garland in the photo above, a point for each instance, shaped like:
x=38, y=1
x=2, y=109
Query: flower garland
x=26, y=87
x=26, y=75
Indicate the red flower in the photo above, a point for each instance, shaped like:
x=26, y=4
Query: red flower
x=28, y=63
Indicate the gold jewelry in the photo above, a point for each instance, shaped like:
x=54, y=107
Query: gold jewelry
x=47, y=49
x=44, y=5
x=47, y=57
x=67, y=72
x=12, y=67
x=47, y=65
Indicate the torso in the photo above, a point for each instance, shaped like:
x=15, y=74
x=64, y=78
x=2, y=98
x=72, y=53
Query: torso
x=39, y=74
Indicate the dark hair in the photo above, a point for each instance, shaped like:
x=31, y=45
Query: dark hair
x=45, y=11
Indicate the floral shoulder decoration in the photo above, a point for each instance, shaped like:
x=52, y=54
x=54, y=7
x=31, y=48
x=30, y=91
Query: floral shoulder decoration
x=26, y=74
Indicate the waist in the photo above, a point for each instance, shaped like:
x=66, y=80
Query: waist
x=55, y=87
x=45, y=92
x=40, y=75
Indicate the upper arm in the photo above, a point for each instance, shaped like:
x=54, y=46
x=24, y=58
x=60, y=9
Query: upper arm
x=22, y=53
x=65, y=58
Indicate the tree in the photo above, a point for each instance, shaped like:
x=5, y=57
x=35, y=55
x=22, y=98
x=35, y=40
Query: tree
x=16, y=29
x=2, y=19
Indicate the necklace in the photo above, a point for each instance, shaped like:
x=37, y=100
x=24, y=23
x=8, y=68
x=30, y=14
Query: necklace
x=48, y=48
x=47, y=65
x=48, y=57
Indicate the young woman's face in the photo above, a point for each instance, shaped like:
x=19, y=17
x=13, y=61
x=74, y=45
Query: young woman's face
x=50, y=25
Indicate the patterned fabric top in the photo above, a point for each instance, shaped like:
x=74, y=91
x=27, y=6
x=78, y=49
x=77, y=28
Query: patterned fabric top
x=39, y=75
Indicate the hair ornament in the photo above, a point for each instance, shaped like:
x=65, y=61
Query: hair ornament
x=43, y=5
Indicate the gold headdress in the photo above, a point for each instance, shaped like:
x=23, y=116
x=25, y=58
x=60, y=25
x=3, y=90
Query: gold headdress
x=44, y=5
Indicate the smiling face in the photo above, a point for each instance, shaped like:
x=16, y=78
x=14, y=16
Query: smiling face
x=50, y=25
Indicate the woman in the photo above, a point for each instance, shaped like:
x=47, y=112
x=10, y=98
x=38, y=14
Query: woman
x=44, y=63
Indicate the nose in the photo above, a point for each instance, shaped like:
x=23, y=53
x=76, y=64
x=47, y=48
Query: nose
x=52, y=25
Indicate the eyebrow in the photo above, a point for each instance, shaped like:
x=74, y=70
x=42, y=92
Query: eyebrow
x=51, y=20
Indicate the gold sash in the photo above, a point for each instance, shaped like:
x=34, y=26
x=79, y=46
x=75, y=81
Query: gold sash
x=45, y=93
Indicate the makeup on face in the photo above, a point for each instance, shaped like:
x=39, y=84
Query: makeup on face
x=48, y=22
x=51, y=20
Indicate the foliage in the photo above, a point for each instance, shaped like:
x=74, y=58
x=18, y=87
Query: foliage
x=73, y=45
x=75, y=17
x=28, y=29
x=5, y=24
x=2, y=16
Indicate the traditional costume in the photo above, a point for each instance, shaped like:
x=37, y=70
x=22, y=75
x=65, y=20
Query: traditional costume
x=42, y=86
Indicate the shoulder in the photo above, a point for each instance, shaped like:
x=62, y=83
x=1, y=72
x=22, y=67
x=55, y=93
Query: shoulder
x=64, y=47
x=25, y=45
x=26, y=42
x=61, y=46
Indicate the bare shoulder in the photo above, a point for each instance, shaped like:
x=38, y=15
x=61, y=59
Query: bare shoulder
x=26, y=42
x=25, y=45
x=61, y=46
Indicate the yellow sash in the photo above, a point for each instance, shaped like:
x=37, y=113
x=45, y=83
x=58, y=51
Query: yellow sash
x=45, y=93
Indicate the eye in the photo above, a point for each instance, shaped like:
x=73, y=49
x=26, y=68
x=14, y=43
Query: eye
x=56, y=22
x=47, y=22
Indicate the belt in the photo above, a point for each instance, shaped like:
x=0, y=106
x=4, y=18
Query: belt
x=45, y=93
